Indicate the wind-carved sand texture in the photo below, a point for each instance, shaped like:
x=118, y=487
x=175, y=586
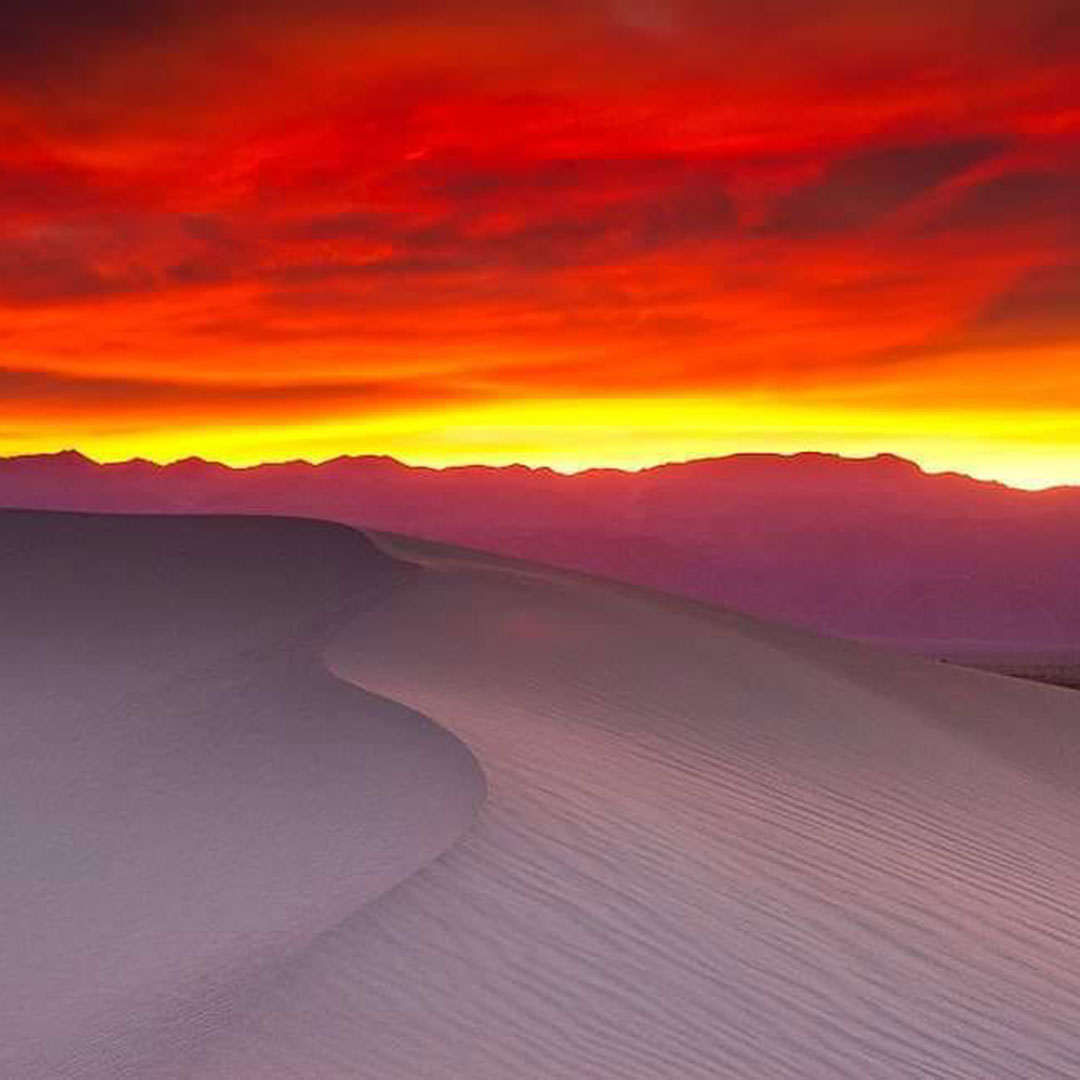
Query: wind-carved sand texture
x=712, y=847
x=187, y=795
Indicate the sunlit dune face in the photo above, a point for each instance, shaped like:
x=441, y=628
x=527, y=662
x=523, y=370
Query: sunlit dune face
x=566, y=234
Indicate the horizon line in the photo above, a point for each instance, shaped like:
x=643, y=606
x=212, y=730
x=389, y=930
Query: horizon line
x=550, y=469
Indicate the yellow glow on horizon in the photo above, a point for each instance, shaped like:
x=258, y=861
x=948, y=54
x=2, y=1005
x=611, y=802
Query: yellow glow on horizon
x=1032, y=452
x=531, y=234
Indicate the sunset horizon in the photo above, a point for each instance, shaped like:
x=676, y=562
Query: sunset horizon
x=599, y=234
x=538, y=539
x=511, y=462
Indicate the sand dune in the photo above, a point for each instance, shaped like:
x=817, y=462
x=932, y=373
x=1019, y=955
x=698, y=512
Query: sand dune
x=187, y=796
x=711, y=847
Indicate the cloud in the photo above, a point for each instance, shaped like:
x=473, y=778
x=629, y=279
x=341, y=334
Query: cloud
x=578, y=214
x=39, y=186
x=36, y=38
x=661, y=221
x=73, y=260
x=1017, y=200
x=50, y=394
x=545, y=196
x=34, y=275
x=864, y=187
x=1042, y=305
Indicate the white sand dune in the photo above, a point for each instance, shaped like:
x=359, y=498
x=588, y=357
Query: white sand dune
x=187, y=796
x=711, y=848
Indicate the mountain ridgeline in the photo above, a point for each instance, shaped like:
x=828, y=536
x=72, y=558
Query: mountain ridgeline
x=868, y=547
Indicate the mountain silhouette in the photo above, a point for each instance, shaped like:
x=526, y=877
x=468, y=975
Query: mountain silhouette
x=865, y=547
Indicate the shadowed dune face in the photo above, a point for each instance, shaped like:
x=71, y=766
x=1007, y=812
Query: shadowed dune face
x=187, y=795
x=712, y=847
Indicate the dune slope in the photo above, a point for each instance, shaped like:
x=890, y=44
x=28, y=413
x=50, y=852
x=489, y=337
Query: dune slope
x=712, y=848
x=187, y=795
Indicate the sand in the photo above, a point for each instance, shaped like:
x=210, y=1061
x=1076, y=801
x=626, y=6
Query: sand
x=711, y=847
x=187, y=795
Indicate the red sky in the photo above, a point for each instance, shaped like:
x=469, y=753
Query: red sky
x=566, y=233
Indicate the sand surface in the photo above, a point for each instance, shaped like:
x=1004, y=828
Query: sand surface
x=711, y=847
x=187, y=795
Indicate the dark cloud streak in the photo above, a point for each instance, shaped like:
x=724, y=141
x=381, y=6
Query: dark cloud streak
x=63, y=393
x=862, y=188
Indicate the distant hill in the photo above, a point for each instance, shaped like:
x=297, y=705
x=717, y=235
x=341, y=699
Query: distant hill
x=871, y=547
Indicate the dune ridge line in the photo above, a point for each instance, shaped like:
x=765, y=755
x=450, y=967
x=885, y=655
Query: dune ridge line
x=189, y=796
x=713, y=846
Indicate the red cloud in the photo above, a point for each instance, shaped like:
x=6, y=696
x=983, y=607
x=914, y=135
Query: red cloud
x=539, y=200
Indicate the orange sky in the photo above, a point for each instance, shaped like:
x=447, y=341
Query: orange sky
x=565, y=233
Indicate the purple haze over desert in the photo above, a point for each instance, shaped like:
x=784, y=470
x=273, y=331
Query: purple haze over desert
x=864, y=547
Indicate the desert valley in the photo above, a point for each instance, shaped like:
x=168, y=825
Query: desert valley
x=939, y=565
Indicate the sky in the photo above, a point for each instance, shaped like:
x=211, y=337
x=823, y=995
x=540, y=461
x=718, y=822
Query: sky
x=561, y=232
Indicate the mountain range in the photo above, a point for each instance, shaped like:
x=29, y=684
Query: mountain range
x=870, y=547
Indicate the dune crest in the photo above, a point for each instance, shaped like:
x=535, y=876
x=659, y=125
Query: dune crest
x=712, y=847
x=187, y=795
